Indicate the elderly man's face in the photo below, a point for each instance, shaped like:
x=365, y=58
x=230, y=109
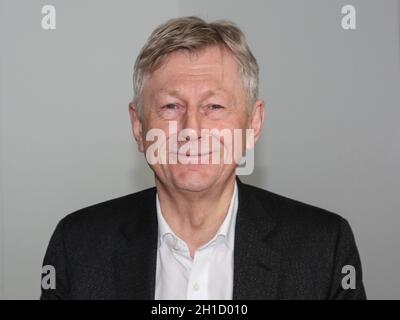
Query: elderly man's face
x=196, y=91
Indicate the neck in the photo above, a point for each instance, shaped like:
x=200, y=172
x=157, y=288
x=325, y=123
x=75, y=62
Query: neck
x=195, y=217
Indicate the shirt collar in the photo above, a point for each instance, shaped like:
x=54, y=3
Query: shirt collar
x=226, y=231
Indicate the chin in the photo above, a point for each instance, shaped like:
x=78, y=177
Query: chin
x=194, y=178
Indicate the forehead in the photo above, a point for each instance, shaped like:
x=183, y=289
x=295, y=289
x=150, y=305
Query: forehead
x=211, y=68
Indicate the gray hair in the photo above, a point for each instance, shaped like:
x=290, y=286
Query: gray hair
x=191, y=34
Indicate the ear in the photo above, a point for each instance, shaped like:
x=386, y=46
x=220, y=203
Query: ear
x=136, y=125
x=257, y=118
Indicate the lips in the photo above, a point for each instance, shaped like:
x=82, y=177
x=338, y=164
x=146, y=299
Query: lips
x=195, y=155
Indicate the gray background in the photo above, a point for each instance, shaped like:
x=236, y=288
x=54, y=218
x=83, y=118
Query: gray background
x=331, y=136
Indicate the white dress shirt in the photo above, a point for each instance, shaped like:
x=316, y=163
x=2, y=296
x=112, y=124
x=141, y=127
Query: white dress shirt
x=209, y=275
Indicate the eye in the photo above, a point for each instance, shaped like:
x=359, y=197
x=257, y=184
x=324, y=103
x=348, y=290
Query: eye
x=216, y=107
x=170, y=106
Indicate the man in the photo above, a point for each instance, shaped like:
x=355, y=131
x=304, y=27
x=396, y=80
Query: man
x=201, y=233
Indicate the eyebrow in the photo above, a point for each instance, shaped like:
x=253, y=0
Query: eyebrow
x=177, y=93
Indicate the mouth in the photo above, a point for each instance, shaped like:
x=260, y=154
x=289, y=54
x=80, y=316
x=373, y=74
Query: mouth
x=195, y=159
x=194, y=155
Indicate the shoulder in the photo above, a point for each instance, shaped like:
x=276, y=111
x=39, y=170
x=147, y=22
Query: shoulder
x=312, y=243
x=294, y=216
x=307, y=232
x=108, y=216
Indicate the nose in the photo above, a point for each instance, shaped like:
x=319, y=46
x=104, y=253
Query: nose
x=192, y=120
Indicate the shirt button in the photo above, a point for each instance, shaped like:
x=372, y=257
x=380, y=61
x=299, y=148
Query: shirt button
x=196, y=286
x=176, y=245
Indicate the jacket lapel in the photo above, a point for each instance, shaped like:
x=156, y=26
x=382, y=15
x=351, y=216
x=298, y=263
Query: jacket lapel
x=135, y=262
x=256, y=263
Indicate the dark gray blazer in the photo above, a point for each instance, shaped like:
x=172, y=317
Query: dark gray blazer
x=284, y=249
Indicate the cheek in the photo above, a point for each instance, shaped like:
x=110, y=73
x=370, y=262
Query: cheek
x=233, y=122
x=237, y=142
x=155, y=139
